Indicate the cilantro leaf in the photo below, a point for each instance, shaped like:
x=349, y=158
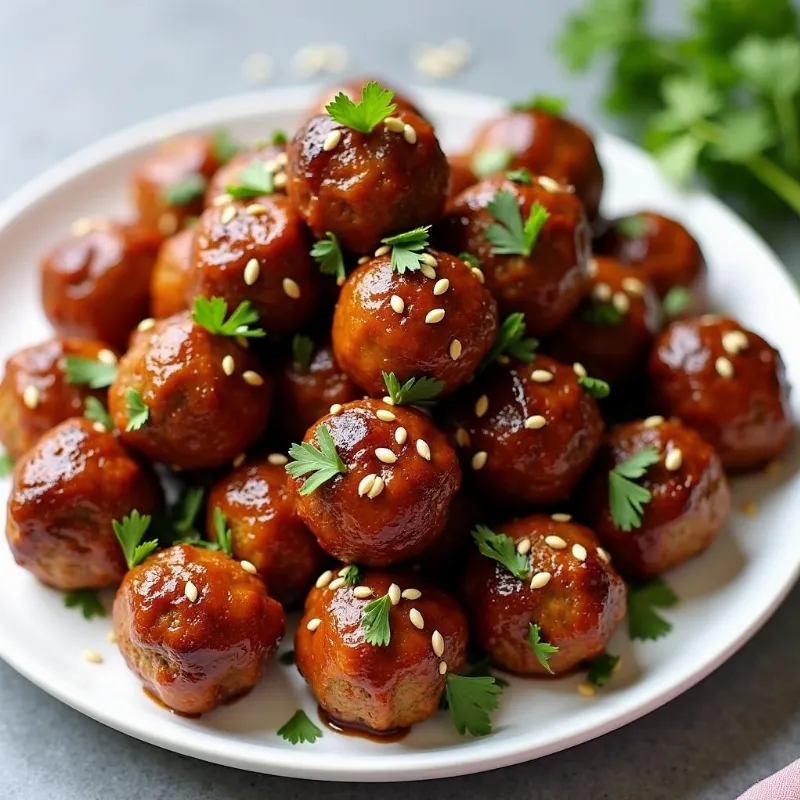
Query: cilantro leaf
x=643, y=621
x=509, y=236
x=223, y=532
x=375, y=105
x=542, y=650
x=634, y=226
x=594, y=387
x=470, y=260
x=501, y=548
x=328, y=254
x=138, y=412
x=279, y=137
x=601, y=314
x=511, y=341
x=770, y=65
x=407, y=247
x=94, y=374
x=521, y=175
x=287, y=658
x=601, y=669
x=678, y=160
x=743, y=134
x=87, y=600
x=185, y=511
x=324, y=462
x=375, y=622
x=352, y=575
x=677, y=300
x=210, y=314
x=6, y=464
x=414, y=392
x=471, y=701
x=626, y=498
x=94, y=410
x=255, y=180
x=302, y=351
x=130, y=532
x=186, y=191
x=300, y=729
x=542, y=102
x=223, y=146
x=491, y=160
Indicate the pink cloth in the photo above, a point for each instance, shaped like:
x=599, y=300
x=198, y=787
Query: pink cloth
x=783, y=785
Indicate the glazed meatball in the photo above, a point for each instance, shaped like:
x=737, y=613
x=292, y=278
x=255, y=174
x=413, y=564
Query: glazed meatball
x=613, y=329
x=169, y=185
x=172, y=276
x=391, y=503
x=271, y=155
x=353, y=90
x=663, y=250
x=365, y=186
x=196, y=415
x=96, y=284
x=265, y=529
x=257, y=251
x=382, y=688
x=440, y=323
x=36, y=395
x=570, y=591
x=306, y=386
x=526, y=432
x=728, y=384
x=195, y=627
x=461, y=176
x=690, y=497
x=545, y=285
x=66, y=492
x=546, y=144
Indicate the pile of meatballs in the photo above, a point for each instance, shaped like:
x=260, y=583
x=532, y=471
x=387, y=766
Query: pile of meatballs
x=344, y=294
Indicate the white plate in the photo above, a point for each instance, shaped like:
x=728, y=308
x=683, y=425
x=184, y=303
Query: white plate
x=727, y=593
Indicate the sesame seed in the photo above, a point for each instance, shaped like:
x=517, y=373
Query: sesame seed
x=427, y=258
x=673, y=459
x=394, y=124
x=602, y=292
x=105, y=356
x=239, y=460
x=723, y=367
x=394, y=594
x=377, y=488
x=579, y=551
x=556, y=542
x=385, y=455
x=535, y=422
x=621, y=302
x=423, y=449
x=228, y=213
x=733, y=342
x=441, y=286
x=228, y=365
x=478, y=273
x=437, y=643
x=524, y=547
x=434, y=316
x=282, y=159
x=442, y=667
x=313, y=624
x=409, y=134
x=397, y=304
x=479, y=459
x=366, y=483
x=255, y=209
x=400, y=435
x=336, y=409
x=586, y=689
x=549, y=184
x=248, y=566
x=92, y=656
x=167, y=224
x=481, y=405
x=190, y=590
x=252, y=271
x=388, y=400
x=99, y=427
x=561, y=517
x=280, y=180
x=332, y=139
x=221, y=200
x=579, y=369
x=591, y=267
x=462, y=438
x=363, y=260
x=653, y=422
x=428, y=271
x=277, y=459
x=415, y=618
x=411, y=594
x=145, y=325
x=344, y=570
x=385, y=416
x=252, y=378
x=30, y=397
x=542, y=376
x=382, y=251
x=111, y=636
x=336, y=583
x=603, y=555
x=540, y=579
x=291, y=288
x=750, y=508
x=455, y=349
x=362, y=592
x=324, y=579
x=633, y=286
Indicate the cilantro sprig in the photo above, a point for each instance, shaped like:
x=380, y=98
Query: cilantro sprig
x=644, y=622
x=511, y=341
x=89, y=372
x=129, y=532
x=470, y=260
x=223, y=532
x=186, y=191
x=634, y=226
x=375, y=105
x=255, y=180
x=626, y=497
x=601, y=669
x=138, y=411
x=414, y=392
x=223, y=146
x=521, y=175
x=94, y=410
x=509, y=235
x=6, y=464
x=352, y=574
x=676, y=301
x=210, y=314
x=501, y=548
x=302, y=351
x=594, y=387
x=601, y=314
x=375, y=622
x=471, y=702
x=299, y=729
x=325, y=462
x=491, y=160
x=541, y=649
x=87, y=601
x=542, y=102
x=328, y=254
x=407, y=249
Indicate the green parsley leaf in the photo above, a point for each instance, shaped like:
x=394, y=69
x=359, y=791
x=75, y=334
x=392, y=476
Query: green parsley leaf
x=491, y=160
x=511, y=341
x=594, y=387
x=770, y=65
x=255, y=180
x=287, y=658
x=375, y=622
x=328, y=254
x=634, y=226
x=501, y=548
x=470, y=260
x=130, y=532
x=743, y=135
x=302, y=351
x=88, y=371
x=185, y=511
x=601, y=669
x=352, y=575
x=6, y=465
x=375, y=105
x=521, y=175
x=300, y=729
x=543, y=102
x=471, y=701
x=678, y=160
x=510, y=236
x=279, y=137
x=406, y=249
x=210, y=314
x=643, y=621
x=87, y=600
x=601, y=314
x=94, y=410
x=542, y=650
x=223, y=146
x=138, y=412
x=223, y=532
x=324, y=462
x=414, y=392
x=186, y=191
x=626, y=498
x=677, y=300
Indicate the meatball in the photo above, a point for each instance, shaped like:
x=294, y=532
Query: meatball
x=728, y=384
x=172, y=276
x=195, y=627
x=689, y=502
x=663, y=250
x=548, y=283
x=265, y=528
x=35, y=394
x=546, y=144
x=96, y=284
x=168, y=186
x=461, y=176
x=196, y=415
x=307, y=385
x=353, y=90
x=365, y=186
x=526, y=432
x=257, y=251
x=391, y=502
x=613, y=329
x=570, y=591
x=66, y=492
x=237, y=170
x=379, y=687
x=440, y=323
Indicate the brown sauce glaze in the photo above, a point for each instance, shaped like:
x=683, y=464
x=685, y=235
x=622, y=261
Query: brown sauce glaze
x=361, y=731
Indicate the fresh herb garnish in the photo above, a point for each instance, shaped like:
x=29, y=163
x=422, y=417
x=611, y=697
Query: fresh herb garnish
x=328, y=254
x=471, y=701
x=185, y=511
x=375, y=105
x=375, y=622
x=643, y=621
x=138, y=412
x=493, y=159
x=594, y=387
x=87, y=600
x=210, y=314
x=223, y=532
x=90, y=372
x=601, y=314
x=279, y=137
x=414, y=392
x=542, y=650
x=521, y=175
x=501, y=548
x=542, y=102
x=509, y=236
x=287, y=658
x=470, y=260
x=633, y=227
x=478, y=667
x=407, y=247
x=352, y=575
x=94, y=410
x=186, y=191
x=625, y=497
x=223, y=146
x=511, y=341
x=302, y=351
x=676, y=301
x=6, y=465
x=255, y=180
x=324, y=462
x=130, y=532
x=601, y=669
x=299, y=729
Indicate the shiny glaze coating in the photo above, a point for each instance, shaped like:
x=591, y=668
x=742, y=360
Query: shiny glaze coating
x=96, y=285
x=352, y=89
x=370, y=337
x=525, y=465
x=265, y=529
x=461, y=176
x=302, y=396
x=41, y=366
x=547, y=285
x=171, y=281
x=547, y=145
x=610, y=351
x=195, y=655
x=66, y=492
x=229, y=174
x=278, y=240
x=578, y=609
x=747, y=417
x=688, y=505
x=365, y=685
x=408, y=514
x=199, y=417
x=369, y=185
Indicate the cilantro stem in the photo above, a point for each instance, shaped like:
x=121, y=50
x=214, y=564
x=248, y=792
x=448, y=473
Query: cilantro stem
x=784, y=110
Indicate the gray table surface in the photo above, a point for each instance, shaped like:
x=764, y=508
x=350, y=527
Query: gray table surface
x=73, y=72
